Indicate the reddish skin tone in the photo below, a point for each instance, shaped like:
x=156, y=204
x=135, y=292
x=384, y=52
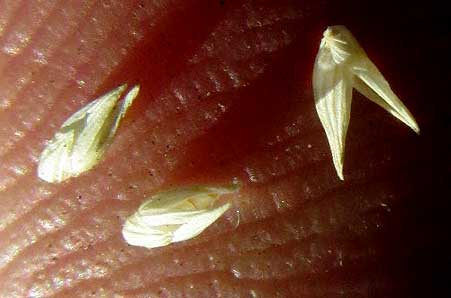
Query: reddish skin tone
x=226, y=92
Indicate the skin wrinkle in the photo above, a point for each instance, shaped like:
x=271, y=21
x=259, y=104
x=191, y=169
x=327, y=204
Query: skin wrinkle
x=204, y=91
x=215, y=289
x=232, y=263
x=36, y=35
x=64, y=206
x=251, y=159
x=283, y=156
x=222, y=283
x=372, y=166
x=291, y=128
x=257, y=40
x=162, y=108
x=234, y=27
x=54, y=47
x=14, y=27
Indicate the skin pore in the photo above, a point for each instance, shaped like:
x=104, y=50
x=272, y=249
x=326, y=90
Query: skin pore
x=226, y=93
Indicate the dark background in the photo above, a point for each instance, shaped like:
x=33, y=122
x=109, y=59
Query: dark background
x=419, y=34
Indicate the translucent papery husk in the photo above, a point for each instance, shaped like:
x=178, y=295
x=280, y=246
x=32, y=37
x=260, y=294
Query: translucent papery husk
x=341, y=65
x=83, y=138
x=175, y=215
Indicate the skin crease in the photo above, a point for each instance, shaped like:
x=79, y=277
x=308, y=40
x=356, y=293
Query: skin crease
x=226, y=92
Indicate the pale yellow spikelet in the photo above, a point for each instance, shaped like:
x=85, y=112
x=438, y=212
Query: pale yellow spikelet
x=341, y=65
x=81, y=141
x=175, y=215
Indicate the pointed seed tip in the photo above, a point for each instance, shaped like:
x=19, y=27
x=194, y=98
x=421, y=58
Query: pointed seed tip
x=410, y=122
x=338, y=164
x=118, y=90
x=416, y=128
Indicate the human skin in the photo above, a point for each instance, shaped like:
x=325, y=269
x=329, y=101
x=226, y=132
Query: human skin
x=226, y=93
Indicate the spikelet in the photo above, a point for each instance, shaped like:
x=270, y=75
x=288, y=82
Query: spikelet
x=341, y=65
x=175, y=215
x=81, y=141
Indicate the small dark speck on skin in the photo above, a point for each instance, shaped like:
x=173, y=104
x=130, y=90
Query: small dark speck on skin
x=54, y=258
x=221, y=2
